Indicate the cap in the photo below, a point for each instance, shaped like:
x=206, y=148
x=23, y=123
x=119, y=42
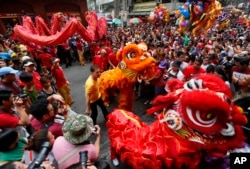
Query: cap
x=55, y=60
x=163, y=64
x=7, y=70
x=176, y=63
x=25, y=58
x=77, y=128
x=28, y=64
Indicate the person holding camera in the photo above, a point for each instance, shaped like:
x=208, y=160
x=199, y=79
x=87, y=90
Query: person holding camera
x=13, y=118
x=20, y=165
x=99, y=164
x=35, y=146
x=44, y=114
x=76, y=131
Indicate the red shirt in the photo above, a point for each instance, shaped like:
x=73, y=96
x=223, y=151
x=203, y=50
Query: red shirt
x=58, y=74
x=8, y=120
x=95, y=49
x=45, y=59
x=112, y=59
x=100, y=61
x=79, y=46
x=55, y=128
x=36, y=79
x=189, y=72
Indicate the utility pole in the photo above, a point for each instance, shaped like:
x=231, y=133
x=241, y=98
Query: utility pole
x=124, y=12
x=116, y=5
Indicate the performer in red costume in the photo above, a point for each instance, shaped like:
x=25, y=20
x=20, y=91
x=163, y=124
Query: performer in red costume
x=197, y=120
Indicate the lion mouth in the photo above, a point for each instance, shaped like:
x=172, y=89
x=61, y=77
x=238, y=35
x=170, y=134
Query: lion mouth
x=219, y=138
x=174, y=121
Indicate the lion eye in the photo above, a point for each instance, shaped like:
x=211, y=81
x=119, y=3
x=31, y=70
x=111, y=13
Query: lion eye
x=131, y=55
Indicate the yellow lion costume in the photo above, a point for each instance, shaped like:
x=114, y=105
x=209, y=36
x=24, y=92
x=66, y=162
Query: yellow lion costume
x=134, y=63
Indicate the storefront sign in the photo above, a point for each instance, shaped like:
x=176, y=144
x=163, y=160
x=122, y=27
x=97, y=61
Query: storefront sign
x=100, y=2
x=8, y=15
x=146, y=6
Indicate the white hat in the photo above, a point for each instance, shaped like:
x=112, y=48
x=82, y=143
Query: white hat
x=25, y=58
x=28, y=64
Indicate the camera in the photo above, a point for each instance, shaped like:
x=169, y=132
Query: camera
x=83, y=158
x=94, y=129
x=36, y=163
x=165, y=77
x=22, y=96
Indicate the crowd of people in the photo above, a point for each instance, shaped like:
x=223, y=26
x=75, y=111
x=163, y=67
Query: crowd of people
x=35, y=99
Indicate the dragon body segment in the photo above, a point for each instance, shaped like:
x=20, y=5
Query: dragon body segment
x=60, y=31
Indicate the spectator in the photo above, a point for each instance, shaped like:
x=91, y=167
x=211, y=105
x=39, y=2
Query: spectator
x=8, y=117
x=48, y=88
x=93, y=95
x=62, y=84
x=29, y=66
x=18, y=165
x=45, y=58
x=34, y=146
x=193, y=70
x=63, y=53
x=206, y=62
x=240, y=76
x=12, y=145
x=79, y=46
x=113, y=62
x=17, y=65
x=210, y=69
x=181, y=57
x=2, y=63
x=29, y=88
x=99, y=164
x=174, y=71
x=44, y=115
x=159, y=81
x=8, y=80
x=76, y=131
x=101, y=59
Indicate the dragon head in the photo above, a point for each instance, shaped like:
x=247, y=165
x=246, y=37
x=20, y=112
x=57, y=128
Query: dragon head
x=202, y=112
x=135, y=59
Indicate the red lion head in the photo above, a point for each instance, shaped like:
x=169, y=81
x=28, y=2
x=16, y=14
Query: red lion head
x=201, y=111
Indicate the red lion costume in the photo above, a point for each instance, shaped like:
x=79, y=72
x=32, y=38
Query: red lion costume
x=197, y=120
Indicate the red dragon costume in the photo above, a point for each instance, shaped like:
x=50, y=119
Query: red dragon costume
x=40, y=34
x=134, y=63
x=197, y=120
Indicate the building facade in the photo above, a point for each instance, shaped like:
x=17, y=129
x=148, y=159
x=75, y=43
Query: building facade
x=133, y=8
x=11, y=11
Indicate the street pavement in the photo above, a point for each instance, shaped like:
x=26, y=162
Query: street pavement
x=77, y=75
